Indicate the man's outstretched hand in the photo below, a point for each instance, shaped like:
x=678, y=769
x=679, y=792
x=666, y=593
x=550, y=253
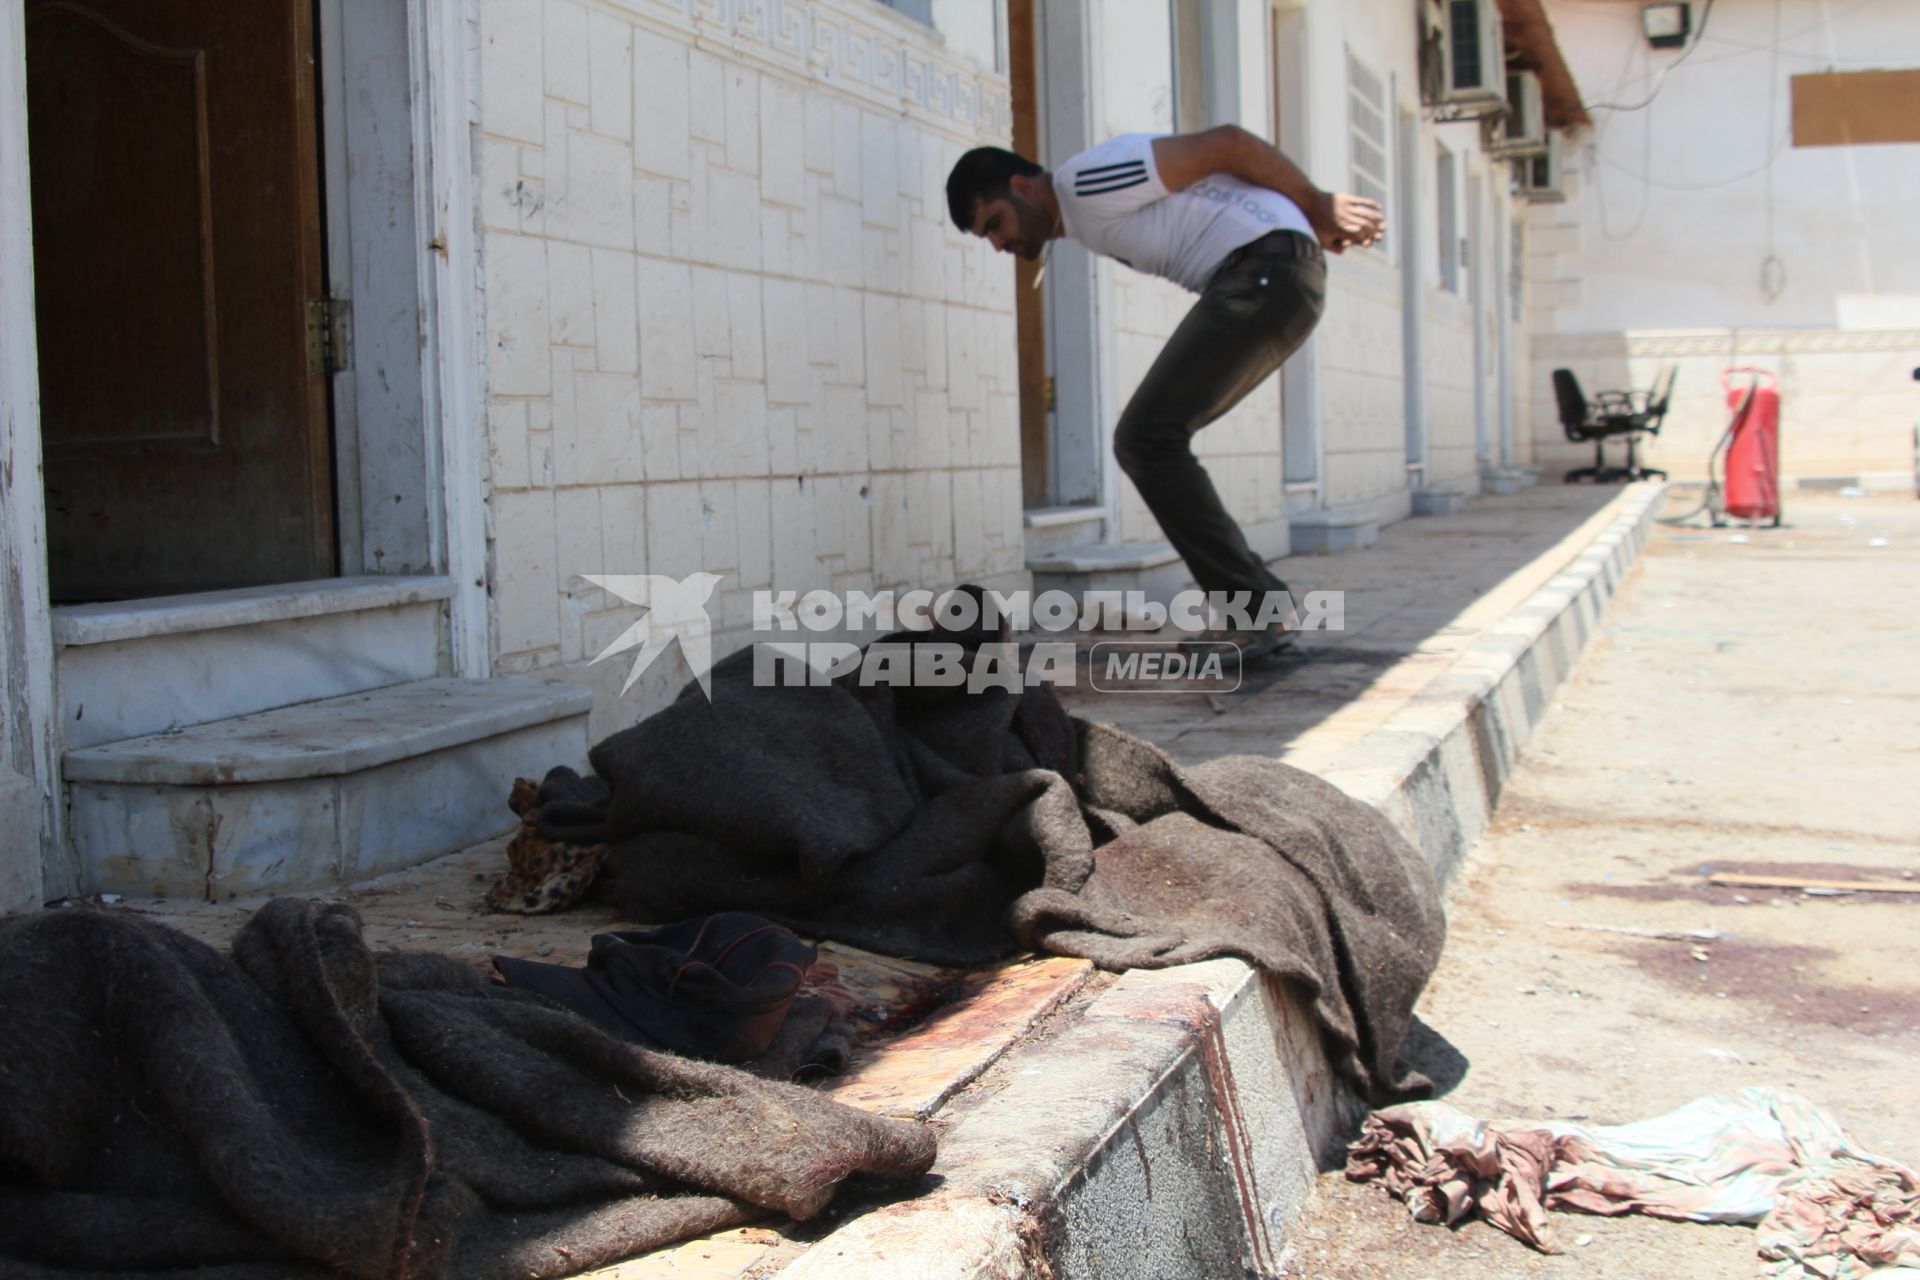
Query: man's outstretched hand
x=1345, y=221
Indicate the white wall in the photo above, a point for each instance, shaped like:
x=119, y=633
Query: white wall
x=1697, y=233
x=1685, y=199
x=729, y=326
x=1362, y=347
x=1242, y=450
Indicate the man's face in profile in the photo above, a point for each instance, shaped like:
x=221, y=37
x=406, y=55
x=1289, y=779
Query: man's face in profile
x=1013, y=223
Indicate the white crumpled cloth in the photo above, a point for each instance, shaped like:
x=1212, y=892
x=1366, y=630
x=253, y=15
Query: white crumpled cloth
x=1824, y=1208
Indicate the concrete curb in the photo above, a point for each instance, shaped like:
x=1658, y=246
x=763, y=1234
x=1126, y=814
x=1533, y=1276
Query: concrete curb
x=1120, y=1142
x=1436, y=767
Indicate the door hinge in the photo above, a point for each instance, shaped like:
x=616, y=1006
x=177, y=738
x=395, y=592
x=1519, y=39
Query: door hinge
x=1049, y=395
x=329, y=335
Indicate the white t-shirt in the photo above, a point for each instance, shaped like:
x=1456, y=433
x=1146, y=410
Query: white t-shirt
x=1112, y=200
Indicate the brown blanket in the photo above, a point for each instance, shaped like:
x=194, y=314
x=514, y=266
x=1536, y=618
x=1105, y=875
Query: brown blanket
x=305, y=1108
x=959, y=827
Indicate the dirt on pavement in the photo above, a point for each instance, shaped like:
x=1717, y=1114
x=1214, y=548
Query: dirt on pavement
x=1751, y=705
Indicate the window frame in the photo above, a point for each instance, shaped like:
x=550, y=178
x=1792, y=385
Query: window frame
x=1369, y=175
x=1447, y=217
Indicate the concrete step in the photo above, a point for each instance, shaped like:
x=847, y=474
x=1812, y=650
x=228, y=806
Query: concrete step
x=1153, y=568
x=149, y=666
x=1428, y=501
x=316, y=794
x=1331, y=531
x=1508, y=480
x=1057, y=529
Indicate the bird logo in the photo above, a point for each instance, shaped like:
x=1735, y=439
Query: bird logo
x=674, y=607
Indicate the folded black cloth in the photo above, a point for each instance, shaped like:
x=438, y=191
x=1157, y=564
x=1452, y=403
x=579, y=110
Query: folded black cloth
x=307, y=1108
x=961, y=827
x=716, y=988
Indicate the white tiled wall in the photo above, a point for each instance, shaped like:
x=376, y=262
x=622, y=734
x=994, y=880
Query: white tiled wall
x=1363, y=406
x=728, y=324
x=1451, y=460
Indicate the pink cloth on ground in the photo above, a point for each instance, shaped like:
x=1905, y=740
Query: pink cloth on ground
x=1824, y=1207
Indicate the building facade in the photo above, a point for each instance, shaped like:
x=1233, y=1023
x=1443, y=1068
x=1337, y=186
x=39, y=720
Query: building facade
x=1719, y=215
x=630, y=287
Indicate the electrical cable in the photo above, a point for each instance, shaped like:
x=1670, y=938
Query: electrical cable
x=1600, y=194
x=1660, y=83
x=1746, y=48
x=1773, y=270
x=1698, y=186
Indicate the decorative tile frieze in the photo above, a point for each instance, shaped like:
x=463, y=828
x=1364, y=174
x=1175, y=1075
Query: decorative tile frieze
x=852, y=45
x=1723, y=342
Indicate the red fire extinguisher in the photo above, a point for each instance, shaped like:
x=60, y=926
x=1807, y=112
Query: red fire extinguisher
x=1753, y=447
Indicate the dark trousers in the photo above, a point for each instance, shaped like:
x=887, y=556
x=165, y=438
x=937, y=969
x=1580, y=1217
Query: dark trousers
x=1252, y=315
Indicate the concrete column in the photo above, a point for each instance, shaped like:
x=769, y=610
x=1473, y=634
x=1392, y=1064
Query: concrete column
x=1079, y=324
x=27, y=754
x=1303, y=449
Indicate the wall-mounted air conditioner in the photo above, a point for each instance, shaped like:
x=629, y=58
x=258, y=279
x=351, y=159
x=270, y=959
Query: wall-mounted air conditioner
x=1543, y=178
x=1475, y=65
x=1522, y=131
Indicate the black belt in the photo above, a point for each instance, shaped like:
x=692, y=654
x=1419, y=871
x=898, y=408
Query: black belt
x=1274, y=244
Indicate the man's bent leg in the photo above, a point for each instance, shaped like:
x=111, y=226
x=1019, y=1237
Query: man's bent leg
x=1249, y=320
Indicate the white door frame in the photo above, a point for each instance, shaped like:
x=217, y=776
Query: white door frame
x=443, y=202
x=401, y=248
x=1503, y=295
x=1478, y=283
x=1302, y=445
x=1079, y=303
x=28, y=744
x=1413, y=290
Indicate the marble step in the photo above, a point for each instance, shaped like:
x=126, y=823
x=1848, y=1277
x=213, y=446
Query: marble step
x=150, y=666
x=1152, y=568
x=1055, y=529
x=316, y=794
x=1428, y=501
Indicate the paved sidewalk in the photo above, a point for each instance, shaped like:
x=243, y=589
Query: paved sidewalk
x=1421, y=606
x=1752, y=704
x=1414, y=602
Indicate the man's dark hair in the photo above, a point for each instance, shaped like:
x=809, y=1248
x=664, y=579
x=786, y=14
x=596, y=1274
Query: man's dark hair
x=982, y=175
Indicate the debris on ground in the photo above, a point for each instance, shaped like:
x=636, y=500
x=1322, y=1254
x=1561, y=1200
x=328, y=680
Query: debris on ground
x=1823, y=1206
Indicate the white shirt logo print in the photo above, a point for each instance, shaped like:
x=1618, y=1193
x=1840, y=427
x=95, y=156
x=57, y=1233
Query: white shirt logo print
x=675, y=607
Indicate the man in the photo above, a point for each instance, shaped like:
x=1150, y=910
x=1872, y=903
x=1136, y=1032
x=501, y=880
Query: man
x=1227, y=216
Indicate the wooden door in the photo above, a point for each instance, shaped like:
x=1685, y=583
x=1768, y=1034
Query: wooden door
x=1029, y=310
x=176, y=221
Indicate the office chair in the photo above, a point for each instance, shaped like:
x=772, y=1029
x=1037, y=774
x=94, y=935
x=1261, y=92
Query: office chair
x=1611, y=414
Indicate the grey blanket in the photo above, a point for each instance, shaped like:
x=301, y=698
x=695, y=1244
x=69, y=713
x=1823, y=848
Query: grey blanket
x=307, y=1109
x=959, y=828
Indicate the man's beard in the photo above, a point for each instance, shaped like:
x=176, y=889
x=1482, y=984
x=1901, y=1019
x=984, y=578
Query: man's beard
x=1033, y=229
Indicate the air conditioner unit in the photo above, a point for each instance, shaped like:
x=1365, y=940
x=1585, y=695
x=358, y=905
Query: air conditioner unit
x=1523, y=130
x=1542, y=178
x=1475, y=64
